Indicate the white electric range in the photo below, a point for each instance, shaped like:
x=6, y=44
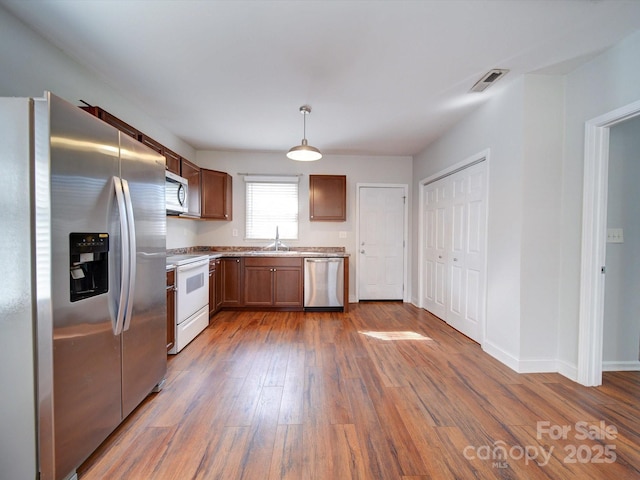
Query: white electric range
x=192, y=297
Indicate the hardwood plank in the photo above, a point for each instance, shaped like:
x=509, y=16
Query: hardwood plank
x=223, y=458
x=286, y=462
x=258, y=449
x=346, y=455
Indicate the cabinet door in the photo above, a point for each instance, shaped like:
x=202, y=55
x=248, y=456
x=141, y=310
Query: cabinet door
x=216, y=195
x=191, y=172
x=171, y=309
x=218, y=292
x=287, y=287
x=231, y=282
x=113, y=121
x=173, y=161
x=212, y=288
x=258, y=288
x=327, y=198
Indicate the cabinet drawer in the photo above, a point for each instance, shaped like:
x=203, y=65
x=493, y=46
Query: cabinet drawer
x=272, y=262
x=171, y=278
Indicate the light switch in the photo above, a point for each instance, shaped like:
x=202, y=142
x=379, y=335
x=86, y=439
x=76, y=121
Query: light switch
x=615, y=235
x=234, y=232
x=342, y=234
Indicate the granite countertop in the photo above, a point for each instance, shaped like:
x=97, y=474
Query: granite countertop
x=279, y=253
x=220, y=252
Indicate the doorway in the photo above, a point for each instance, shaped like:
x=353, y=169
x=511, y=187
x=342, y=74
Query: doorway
x=621, y=329
x=594, y=235
x=382, y=212
x=452, y=251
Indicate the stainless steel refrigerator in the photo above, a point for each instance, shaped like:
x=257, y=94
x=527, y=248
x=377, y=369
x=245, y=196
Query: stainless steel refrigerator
x=98, y=234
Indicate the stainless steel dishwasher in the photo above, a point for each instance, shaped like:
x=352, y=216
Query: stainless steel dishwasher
x=324, y=283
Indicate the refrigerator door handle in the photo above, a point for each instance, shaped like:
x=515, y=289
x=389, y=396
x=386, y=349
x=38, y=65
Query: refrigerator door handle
x=131, y=232
x=122, y=302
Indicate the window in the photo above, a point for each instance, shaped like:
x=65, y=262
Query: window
x=271, y=202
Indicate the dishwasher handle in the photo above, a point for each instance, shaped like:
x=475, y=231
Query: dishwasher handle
x=322, y=260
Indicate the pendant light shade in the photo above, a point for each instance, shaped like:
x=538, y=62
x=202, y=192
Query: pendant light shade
x=304, y=152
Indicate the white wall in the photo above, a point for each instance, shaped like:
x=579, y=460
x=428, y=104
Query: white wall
x=608, y=82
x=31, y=65
x=496, y=125
x=540, y=242
x=358, y=169
x=621, y=335
x=522, y=128
x=535, y=201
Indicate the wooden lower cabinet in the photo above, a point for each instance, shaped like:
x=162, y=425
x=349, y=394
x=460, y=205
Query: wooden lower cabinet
x=212, y=287
x=231, y=289
x=215, y=286
x=218, y=292
x=273, y=282
x=171, y=309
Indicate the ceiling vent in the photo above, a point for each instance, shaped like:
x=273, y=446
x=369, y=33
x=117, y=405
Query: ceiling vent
x=488, y=79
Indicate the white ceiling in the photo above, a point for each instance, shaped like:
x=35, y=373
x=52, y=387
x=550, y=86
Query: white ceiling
x=382, y=77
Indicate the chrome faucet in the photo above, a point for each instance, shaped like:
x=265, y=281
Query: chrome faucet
x=277, y=245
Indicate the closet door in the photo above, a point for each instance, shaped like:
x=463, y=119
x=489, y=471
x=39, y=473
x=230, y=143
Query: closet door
x=436, y=199
x=454, y=250
x=466, y=266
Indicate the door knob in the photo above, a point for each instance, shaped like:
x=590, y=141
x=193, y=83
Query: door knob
x=362, y=251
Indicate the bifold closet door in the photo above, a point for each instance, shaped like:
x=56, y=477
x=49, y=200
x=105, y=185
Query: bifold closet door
x=455, y=253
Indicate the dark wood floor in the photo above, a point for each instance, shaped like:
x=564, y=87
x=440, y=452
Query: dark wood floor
x=386, y=391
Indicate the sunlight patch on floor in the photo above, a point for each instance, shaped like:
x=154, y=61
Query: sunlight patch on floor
x=407, y=335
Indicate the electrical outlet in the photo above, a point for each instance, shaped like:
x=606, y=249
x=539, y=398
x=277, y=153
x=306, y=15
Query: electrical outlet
x=234, y=232
x=615, y=235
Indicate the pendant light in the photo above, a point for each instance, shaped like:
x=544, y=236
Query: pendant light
x=304, y=152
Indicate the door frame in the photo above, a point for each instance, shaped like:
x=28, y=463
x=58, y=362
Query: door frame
x=467, y=162
x=594, y=235
x=405, y=235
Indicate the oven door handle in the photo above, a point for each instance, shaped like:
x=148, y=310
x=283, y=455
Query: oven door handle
x=192, y=266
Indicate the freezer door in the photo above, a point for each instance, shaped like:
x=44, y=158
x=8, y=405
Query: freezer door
x=86, y=354
x=144, y=339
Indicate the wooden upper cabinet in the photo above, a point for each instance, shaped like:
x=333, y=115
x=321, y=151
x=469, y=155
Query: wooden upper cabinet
x=191, y=172
x=173, y=161
x=113, y=121
x=327, y=198
x=216, y=195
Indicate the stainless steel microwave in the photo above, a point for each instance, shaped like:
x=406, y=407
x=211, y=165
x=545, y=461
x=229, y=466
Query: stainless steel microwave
x=176, y=194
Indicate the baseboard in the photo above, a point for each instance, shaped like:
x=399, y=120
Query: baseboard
x=538, y=366
x=500, y=355
x=568, y=370
x=627, y=366
x=521, y=366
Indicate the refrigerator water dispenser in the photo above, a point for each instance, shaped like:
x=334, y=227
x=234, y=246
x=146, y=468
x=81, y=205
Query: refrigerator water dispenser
x=88, y=264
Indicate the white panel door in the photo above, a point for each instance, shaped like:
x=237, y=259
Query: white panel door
x=435, y=199
x=467, y=247
x=454, y=275
x=381, y=249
